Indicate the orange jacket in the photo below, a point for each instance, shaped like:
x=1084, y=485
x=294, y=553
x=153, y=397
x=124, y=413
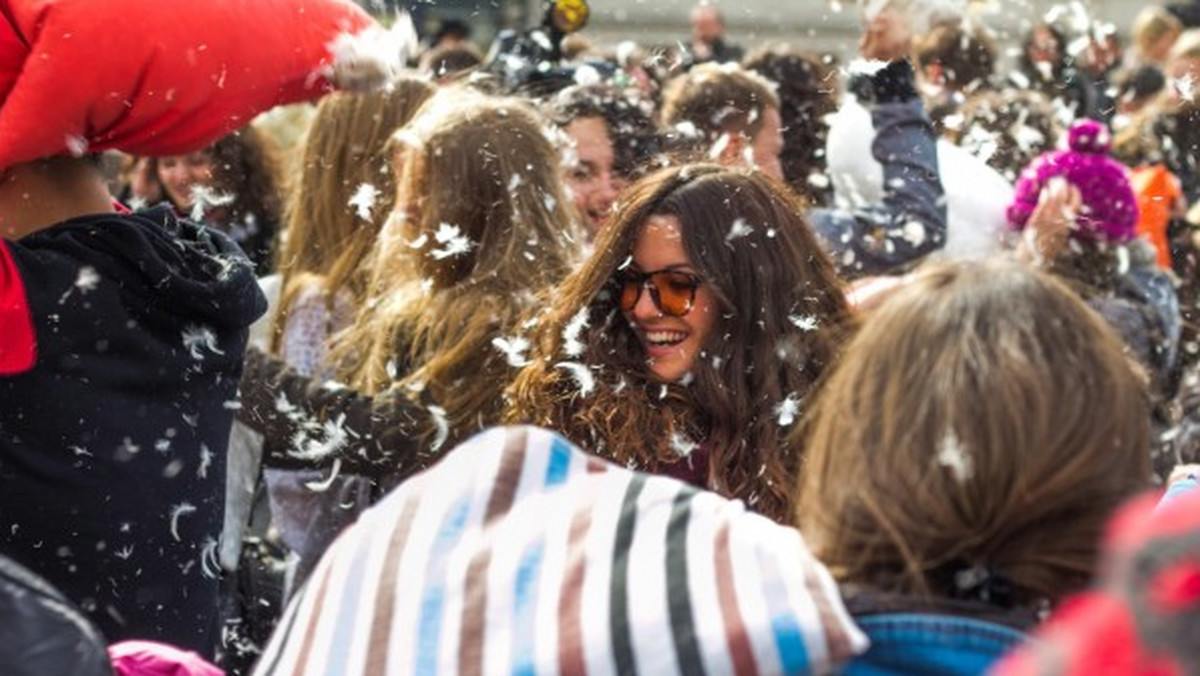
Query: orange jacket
x=1158, y=191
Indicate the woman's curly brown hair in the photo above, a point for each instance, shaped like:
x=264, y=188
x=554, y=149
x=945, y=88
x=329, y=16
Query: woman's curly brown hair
x=782, y=316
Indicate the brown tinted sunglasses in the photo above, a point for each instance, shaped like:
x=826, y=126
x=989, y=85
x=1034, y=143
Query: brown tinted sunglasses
x=673, y=291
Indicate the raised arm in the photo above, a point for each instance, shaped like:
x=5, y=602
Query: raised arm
x=315, y=424
x=910, y=221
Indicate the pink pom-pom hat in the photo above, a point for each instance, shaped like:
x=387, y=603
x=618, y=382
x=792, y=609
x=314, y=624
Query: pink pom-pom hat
x=1109, y=211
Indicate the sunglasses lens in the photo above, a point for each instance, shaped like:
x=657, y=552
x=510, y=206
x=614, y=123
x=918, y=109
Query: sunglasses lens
x=675, y=293
x=631, y=290
x=672, y=292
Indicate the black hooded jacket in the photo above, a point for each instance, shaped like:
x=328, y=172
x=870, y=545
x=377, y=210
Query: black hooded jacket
x=113, y=440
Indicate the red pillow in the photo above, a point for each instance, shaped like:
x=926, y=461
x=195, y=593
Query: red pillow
x=155, y=77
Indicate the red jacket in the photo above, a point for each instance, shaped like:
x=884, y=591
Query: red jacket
x=1144, y=617
x=18, y=348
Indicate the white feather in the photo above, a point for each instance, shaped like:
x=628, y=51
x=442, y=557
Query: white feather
x=176, y=512
x=372, y=57
x=571, y=343
x=322, y=486
x=583, y=376
x=442, y=424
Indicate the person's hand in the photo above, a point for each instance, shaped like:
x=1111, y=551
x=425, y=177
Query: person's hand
x=887, y=37
x=1050, y=224
x=1183, y=472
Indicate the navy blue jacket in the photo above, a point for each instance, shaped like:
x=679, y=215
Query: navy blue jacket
x=910, y=222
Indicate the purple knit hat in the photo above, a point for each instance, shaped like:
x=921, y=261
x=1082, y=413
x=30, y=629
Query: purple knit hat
x=1109, y=212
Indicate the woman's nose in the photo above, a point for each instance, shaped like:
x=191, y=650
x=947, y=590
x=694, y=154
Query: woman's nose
x=645, y=306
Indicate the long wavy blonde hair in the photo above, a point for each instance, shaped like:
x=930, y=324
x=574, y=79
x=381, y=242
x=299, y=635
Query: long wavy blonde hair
x=346, y=148
x=481, y=227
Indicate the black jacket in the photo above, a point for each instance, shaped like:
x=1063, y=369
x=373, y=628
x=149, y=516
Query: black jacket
x=112, y=445
x=41, y=632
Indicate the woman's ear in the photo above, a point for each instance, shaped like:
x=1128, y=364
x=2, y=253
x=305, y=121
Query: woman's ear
x=730, y=149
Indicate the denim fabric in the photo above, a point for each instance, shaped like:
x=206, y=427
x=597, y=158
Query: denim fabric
x=928, y=644
x=910, y=220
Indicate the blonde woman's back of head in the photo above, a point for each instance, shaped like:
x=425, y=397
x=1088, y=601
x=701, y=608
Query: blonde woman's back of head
x=347, y=148
x=983, y=419
x=484, y=169
x=480, y=227
x=343, y=190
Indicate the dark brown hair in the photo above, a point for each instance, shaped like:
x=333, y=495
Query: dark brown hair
x=808, y=93
x=781, y=318
x=966, y=55
x=1007, y=129
x=451, y=62
x=983, y=418
x=246, y=164
x=635, y=137
x=246, y=167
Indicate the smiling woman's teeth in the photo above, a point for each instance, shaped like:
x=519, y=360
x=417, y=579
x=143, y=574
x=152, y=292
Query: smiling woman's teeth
x=664, y=337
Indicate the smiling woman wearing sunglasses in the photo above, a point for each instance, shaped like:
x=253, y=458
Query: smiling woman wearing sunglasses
x=688, y=342
x=674, y=318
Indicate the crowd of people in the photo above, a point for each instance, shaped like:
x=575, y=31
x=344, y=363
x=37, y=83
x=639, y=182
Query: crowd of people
x=588, y=359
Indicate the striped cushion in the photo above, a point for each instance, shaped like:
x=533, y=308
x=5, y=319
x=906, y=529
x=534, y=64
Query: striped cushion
x=520, y=554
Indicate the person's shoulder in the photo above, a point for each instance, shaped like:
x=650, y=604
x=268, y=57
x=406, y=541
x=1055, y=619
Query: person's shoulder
x=536, y=495
x=96, y=235
x=147, y=258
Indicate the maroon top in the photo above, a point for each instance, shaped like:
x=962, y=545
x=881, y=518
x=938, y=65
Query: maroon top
x=692, y=469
